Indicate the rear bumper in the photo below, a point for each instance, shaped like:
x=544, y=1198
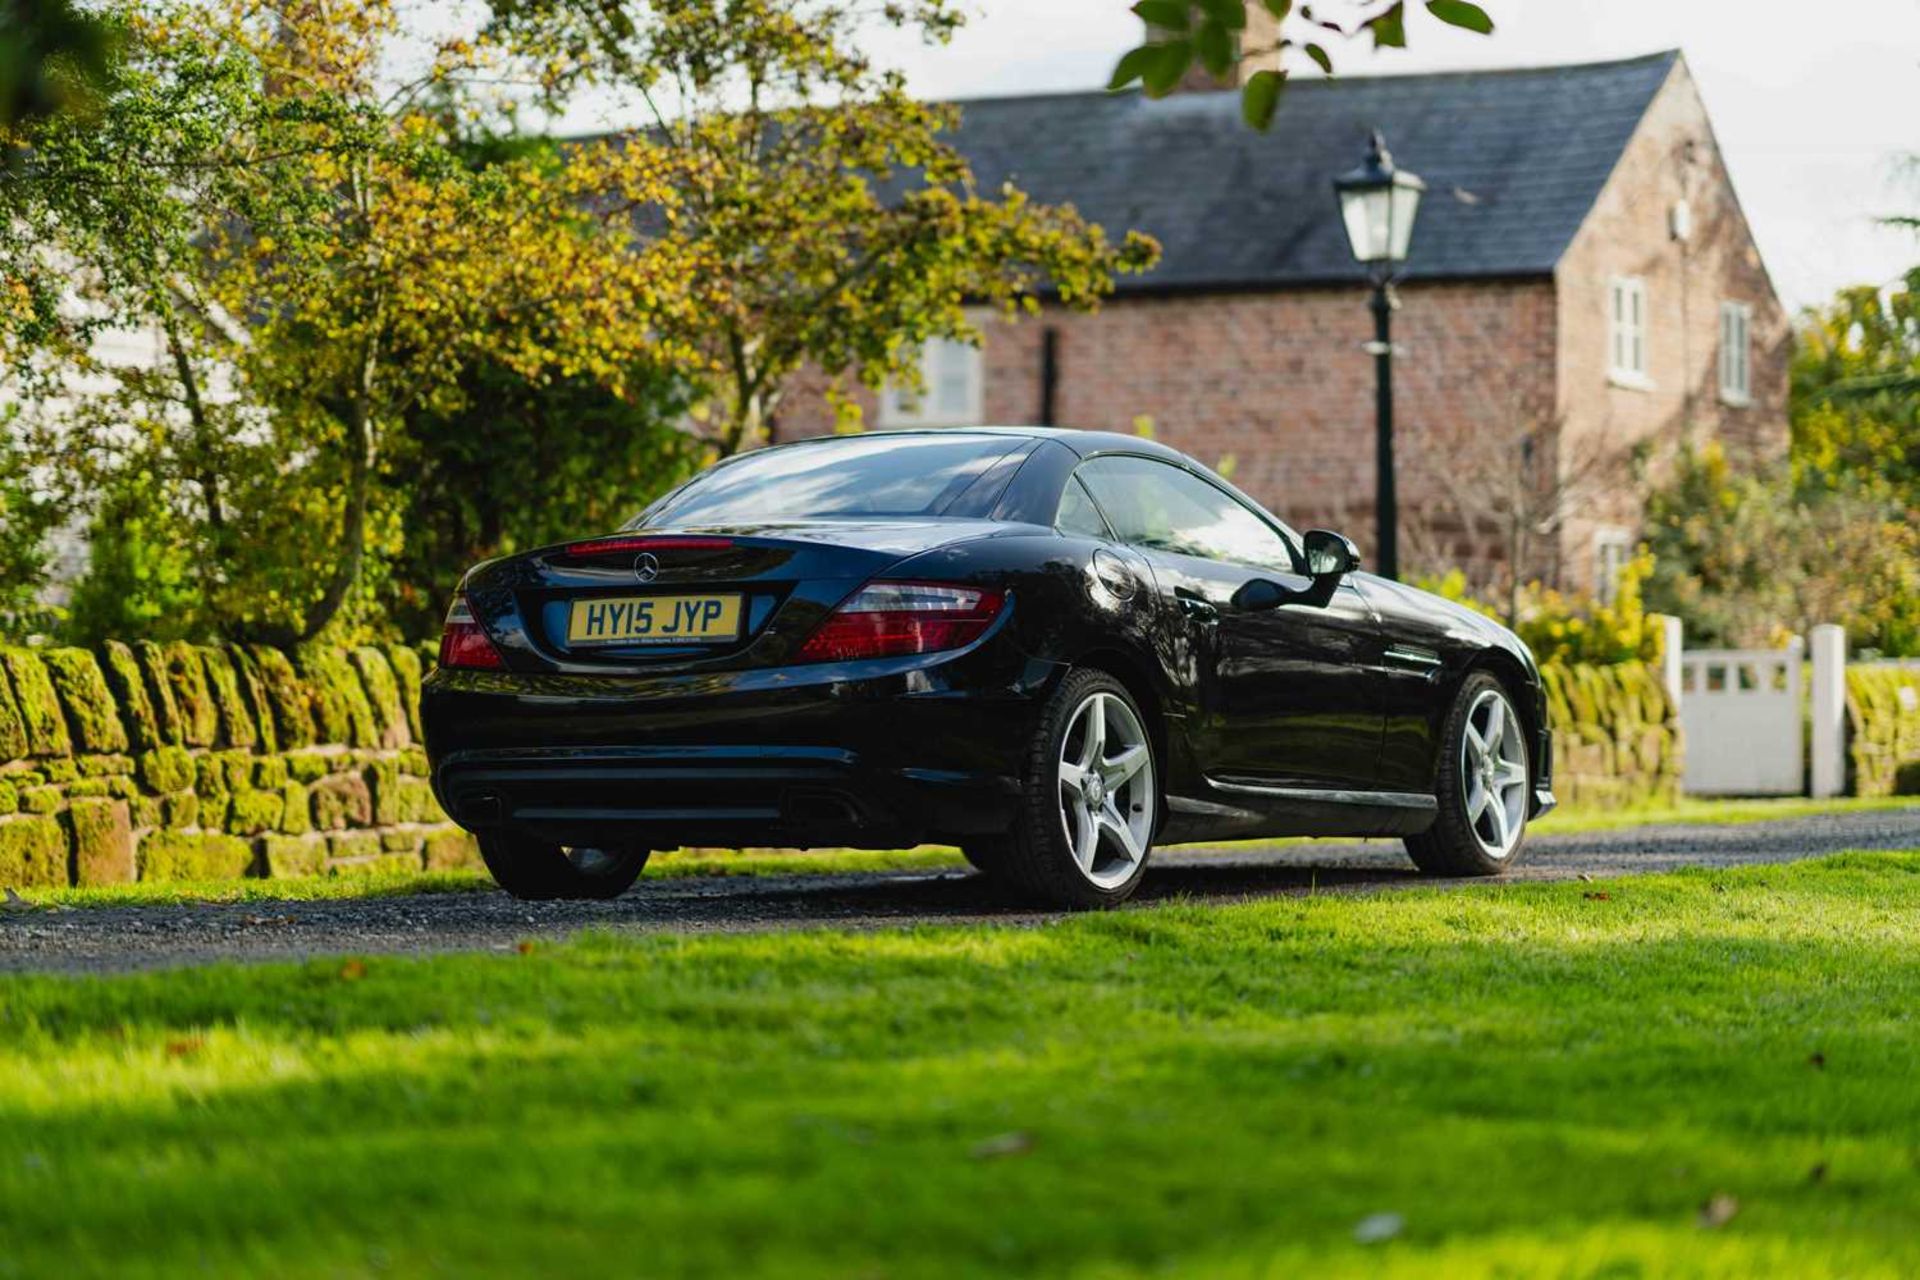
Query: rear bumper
x=863, y=755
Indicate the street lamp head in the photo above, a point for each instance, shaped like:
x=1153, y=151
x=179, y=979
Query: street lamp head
x=1378, y=203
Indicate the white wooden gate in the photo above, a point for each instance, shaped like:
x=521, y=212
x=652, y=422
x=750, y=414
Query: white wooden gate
x=1741, y=710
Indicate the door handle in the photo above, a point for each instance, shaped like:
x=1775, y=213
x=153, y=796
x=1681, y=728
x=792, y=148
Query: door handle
x=1199, y=610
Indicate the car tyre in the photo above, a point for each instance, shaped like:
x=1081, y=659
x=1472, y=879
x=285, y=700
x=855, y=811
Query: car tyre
x=538, y=871
x=1089, y=801
x=1484, y=786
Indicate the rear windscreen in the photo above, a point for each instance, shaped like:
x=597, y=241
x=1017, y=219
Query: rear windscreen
x=853, y=476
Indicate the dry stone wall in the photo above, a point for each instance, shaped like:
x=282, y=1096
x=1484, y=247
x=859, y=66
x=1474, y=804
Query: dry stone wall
x=187, y=762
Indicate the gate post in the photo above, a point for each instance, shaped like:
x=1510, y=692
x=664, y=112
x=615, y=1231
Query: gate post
x=1829, y=711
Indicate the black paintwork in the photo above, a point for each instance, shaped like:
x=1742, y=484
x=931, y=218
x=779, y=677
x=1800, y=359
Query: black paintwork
x=1281, y=704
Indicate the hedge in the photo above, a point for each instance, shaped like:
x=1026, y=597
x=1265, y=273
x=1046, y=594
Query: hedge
x=1616, y=735
x=1883, y=723
x=182, y=761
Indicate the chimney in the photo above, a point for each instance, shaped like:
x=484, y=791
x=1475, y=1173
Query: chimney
x=1262, y=33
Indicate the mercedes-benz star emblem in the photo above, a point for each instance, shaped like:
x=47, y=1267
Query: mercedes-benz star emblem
x=646, y=566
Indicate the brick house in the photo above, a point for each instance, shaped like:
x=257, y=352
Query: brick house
x=1582, y=289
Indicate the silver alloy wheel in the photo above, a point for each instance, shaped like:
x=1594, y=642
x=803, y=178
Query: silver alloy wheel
x=1493, y=774
x=1106, y=790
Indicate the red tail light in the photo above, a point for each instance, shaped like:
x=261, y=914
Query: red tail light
x=465, y=643
x=889, y=619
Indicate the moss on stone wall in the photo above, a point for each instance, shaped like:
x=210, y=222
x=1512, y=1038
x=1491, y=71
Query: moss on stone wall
x=1616, y=735
x=1883, y=723
x=102, y=832
x=40, y=712
x=253, y=688
x=408, y=671
x=122, y=670
x=223, y=683
x=341, y=711
x=166, y=710
x=187, y=675
x=33, y=852
x=194, y=855
x=13, y=731
x=383, y=697
x=287, y=694
x=92, y=714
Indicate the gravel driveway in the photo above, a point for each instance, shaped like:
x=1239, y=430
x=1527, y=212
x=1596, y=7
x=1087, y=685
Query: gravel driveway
x=119, y=938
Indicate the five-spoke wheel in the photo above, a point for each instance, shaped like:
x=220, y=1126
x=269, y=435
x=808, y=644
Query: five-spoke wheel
x=1106, y=789
x=1484, y=788
x=1090, y=800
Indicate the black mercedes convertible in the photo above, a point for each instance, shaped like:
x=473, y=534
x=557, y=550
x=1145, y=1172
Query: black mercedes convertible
x=1054, y=649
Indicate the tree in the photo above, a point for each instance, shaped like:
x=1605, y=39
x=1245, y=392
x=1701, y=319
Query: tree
x=843, y=229
x=515, y=464
x=1746, y=559
x=1502, y=494
x=27, y=516
x=1856, y=391
x=1216, y=36
x=318, y=262
x=52, y=58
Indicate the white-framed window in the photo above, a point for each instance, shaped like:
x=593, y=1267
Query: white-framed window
x=1736, y=353
x=1612, y=550
x=953, y=380
x=1627, y=331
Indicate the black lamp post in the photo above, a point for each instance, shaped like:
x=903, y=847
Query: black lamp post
x=1378, y=203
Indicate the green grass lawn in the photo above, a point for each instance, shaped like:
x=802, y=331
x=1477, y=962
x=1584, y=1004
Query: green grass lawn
x=1537, y=1079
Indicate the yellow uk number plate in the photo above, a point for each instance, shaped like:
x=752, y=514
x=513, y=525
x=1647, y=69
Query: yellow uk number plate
x=654, y=620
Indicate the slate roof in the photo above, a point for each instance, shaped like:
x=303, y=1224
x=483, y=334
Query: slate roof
x=1513, y=161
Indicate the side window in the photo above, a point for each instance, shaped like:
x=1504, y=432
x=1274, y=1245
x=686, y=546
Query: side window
x=1078, y=515
x=1154, y=504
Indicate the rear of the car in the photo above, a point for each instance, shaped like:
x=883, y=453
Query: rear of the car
x=779, y=653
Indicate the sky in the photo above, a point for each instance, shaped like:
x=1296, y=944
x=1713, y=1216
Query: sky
x=1812, y=100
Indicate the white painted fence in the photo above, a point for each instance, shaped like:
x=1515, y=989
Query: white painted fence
x=1741, y=711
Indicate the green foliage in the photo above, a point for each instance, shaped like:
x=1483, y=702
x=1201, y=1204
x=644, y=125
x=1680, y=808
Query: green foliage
x=839, y=228
x=1883, y=715
x=28, y=514
x=330, y=268
x=141, y=578
x=1209, y=33
x=53, y=58
x=1561, y=627
x=90, y=707
x=1747, y=559
x=517, y=464
x=1856, y=393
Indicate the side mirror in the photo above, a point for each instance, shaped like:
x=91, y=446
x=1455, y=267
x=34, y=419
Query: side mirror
x=1329, y=555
